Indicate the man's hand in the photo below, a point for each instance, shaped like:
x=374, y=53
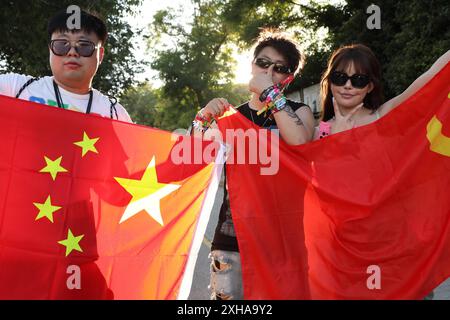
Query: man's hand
x=215, y=108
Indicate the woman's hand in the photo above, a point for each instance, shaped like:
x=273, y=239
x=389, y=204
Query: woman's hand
x=341, y=122
x=215, y=108
x=261, y=81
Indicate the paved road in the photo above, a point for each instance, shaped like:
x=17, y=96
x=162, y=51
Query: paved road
x=200, y=282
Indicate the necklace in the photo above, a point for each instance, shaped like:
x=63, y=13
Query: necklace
x=60, y=102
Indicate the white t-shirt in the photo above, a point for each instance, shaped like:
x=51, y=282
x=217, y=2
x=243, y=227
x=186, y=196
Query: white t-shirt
x=42, y=91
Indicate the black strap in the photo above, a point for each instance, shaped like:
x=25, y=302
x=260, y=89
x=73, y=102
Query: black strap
x=57, y=95
x=26, y=84
x=89, y=106
x=112, y=107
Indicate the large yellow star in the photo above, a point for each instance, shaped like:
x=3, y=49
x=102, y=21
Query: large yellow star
x=146, y=193
x=72, y=242
x=87, y=144
x=53, y=167
x=46, y=209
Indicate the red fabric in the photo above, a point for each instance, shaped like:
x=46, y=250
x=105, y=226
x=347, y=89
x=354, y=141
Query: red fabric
x=137, y=259
x=377, y=195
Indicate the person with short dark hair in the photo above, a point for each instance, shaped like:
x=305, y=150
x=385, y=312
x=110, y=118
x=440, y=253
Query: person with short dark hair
x=75, y=55
x=276, y=60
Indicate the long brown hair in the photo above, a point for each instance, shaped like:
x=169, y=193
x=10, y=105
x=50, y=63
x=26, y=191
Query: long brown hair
x=365, y=62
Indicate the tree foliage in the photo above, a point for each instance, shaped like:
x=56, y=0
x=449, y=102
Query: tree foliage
x=413, y=35
x=194, y=70
x=152, y=107
x=199, y=67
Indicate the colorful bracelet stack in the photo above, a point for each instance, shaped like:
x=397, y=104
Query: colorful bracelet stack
x=201, y=123
x=275, y=100
x=273, y=97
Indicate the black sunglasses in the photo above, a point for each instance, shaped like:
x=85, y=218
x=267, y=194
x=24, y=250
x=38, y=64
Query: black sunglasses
x=357, y=80
x=265, y=63
x=61, y=47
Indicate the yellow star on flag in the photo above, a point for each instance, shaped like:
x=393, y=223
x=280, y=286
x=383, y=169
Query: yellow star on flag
x=146, y=192
x=87, y=144
x=72, y=242
x=46, y=209
x=53, y=167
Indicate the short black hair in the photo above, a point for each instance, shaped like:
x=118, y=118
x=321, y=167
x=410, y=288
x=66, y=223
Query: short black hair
x=283, y=44
x=89, y=23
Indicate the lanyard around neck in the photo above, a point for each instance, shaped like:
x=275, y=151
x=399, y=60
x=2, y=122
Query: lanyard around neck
x=60, y=102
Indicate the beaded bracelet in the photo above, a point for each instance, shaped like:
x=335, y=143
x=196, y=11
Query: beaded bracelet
x=279, y=104
x=265, y=93
x=200, y=126
x=272, y=93
x=200, y=122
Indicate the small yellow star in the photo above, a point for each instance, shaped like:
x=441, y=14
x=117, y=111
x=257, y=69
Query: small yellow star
x=46, y=209
x=53, y=167
x=72, y=242
x=87, y=144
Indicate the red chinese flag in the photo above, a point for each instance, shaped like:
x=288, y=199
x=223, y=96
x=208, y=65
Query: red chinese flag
x=364, y=214
x=92, y=208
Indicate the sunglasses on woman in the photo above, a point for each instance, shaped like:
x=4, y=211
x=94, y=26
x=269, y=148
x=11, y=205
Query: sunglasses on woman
x=265, y=63
x=61, y=47
x=358, y=81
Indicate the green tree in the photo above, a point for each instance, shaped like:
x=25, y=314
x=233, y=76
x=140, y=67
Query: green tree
x=143, y=103
x=413, y=34
x=202, y=57
x=199, y=66
x=200, y=61
x=24, y=45
x=151, y=107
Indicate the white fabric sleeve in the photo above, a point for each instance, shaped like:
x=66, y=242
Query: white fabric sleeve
x=11, y=83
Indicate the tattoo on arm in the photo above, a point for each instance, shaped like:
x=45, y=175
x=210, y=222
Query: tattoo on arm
x=293, y=115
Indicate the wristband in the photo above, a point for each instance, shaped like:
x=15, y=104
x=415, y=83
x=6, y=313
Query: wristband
x=272, y=95
x=265, y=93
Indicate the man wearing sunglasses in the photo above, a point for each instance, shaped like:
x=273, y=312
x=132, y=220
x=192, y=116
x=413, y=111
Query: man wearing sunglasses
x=75, y=56
x=276, y=59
